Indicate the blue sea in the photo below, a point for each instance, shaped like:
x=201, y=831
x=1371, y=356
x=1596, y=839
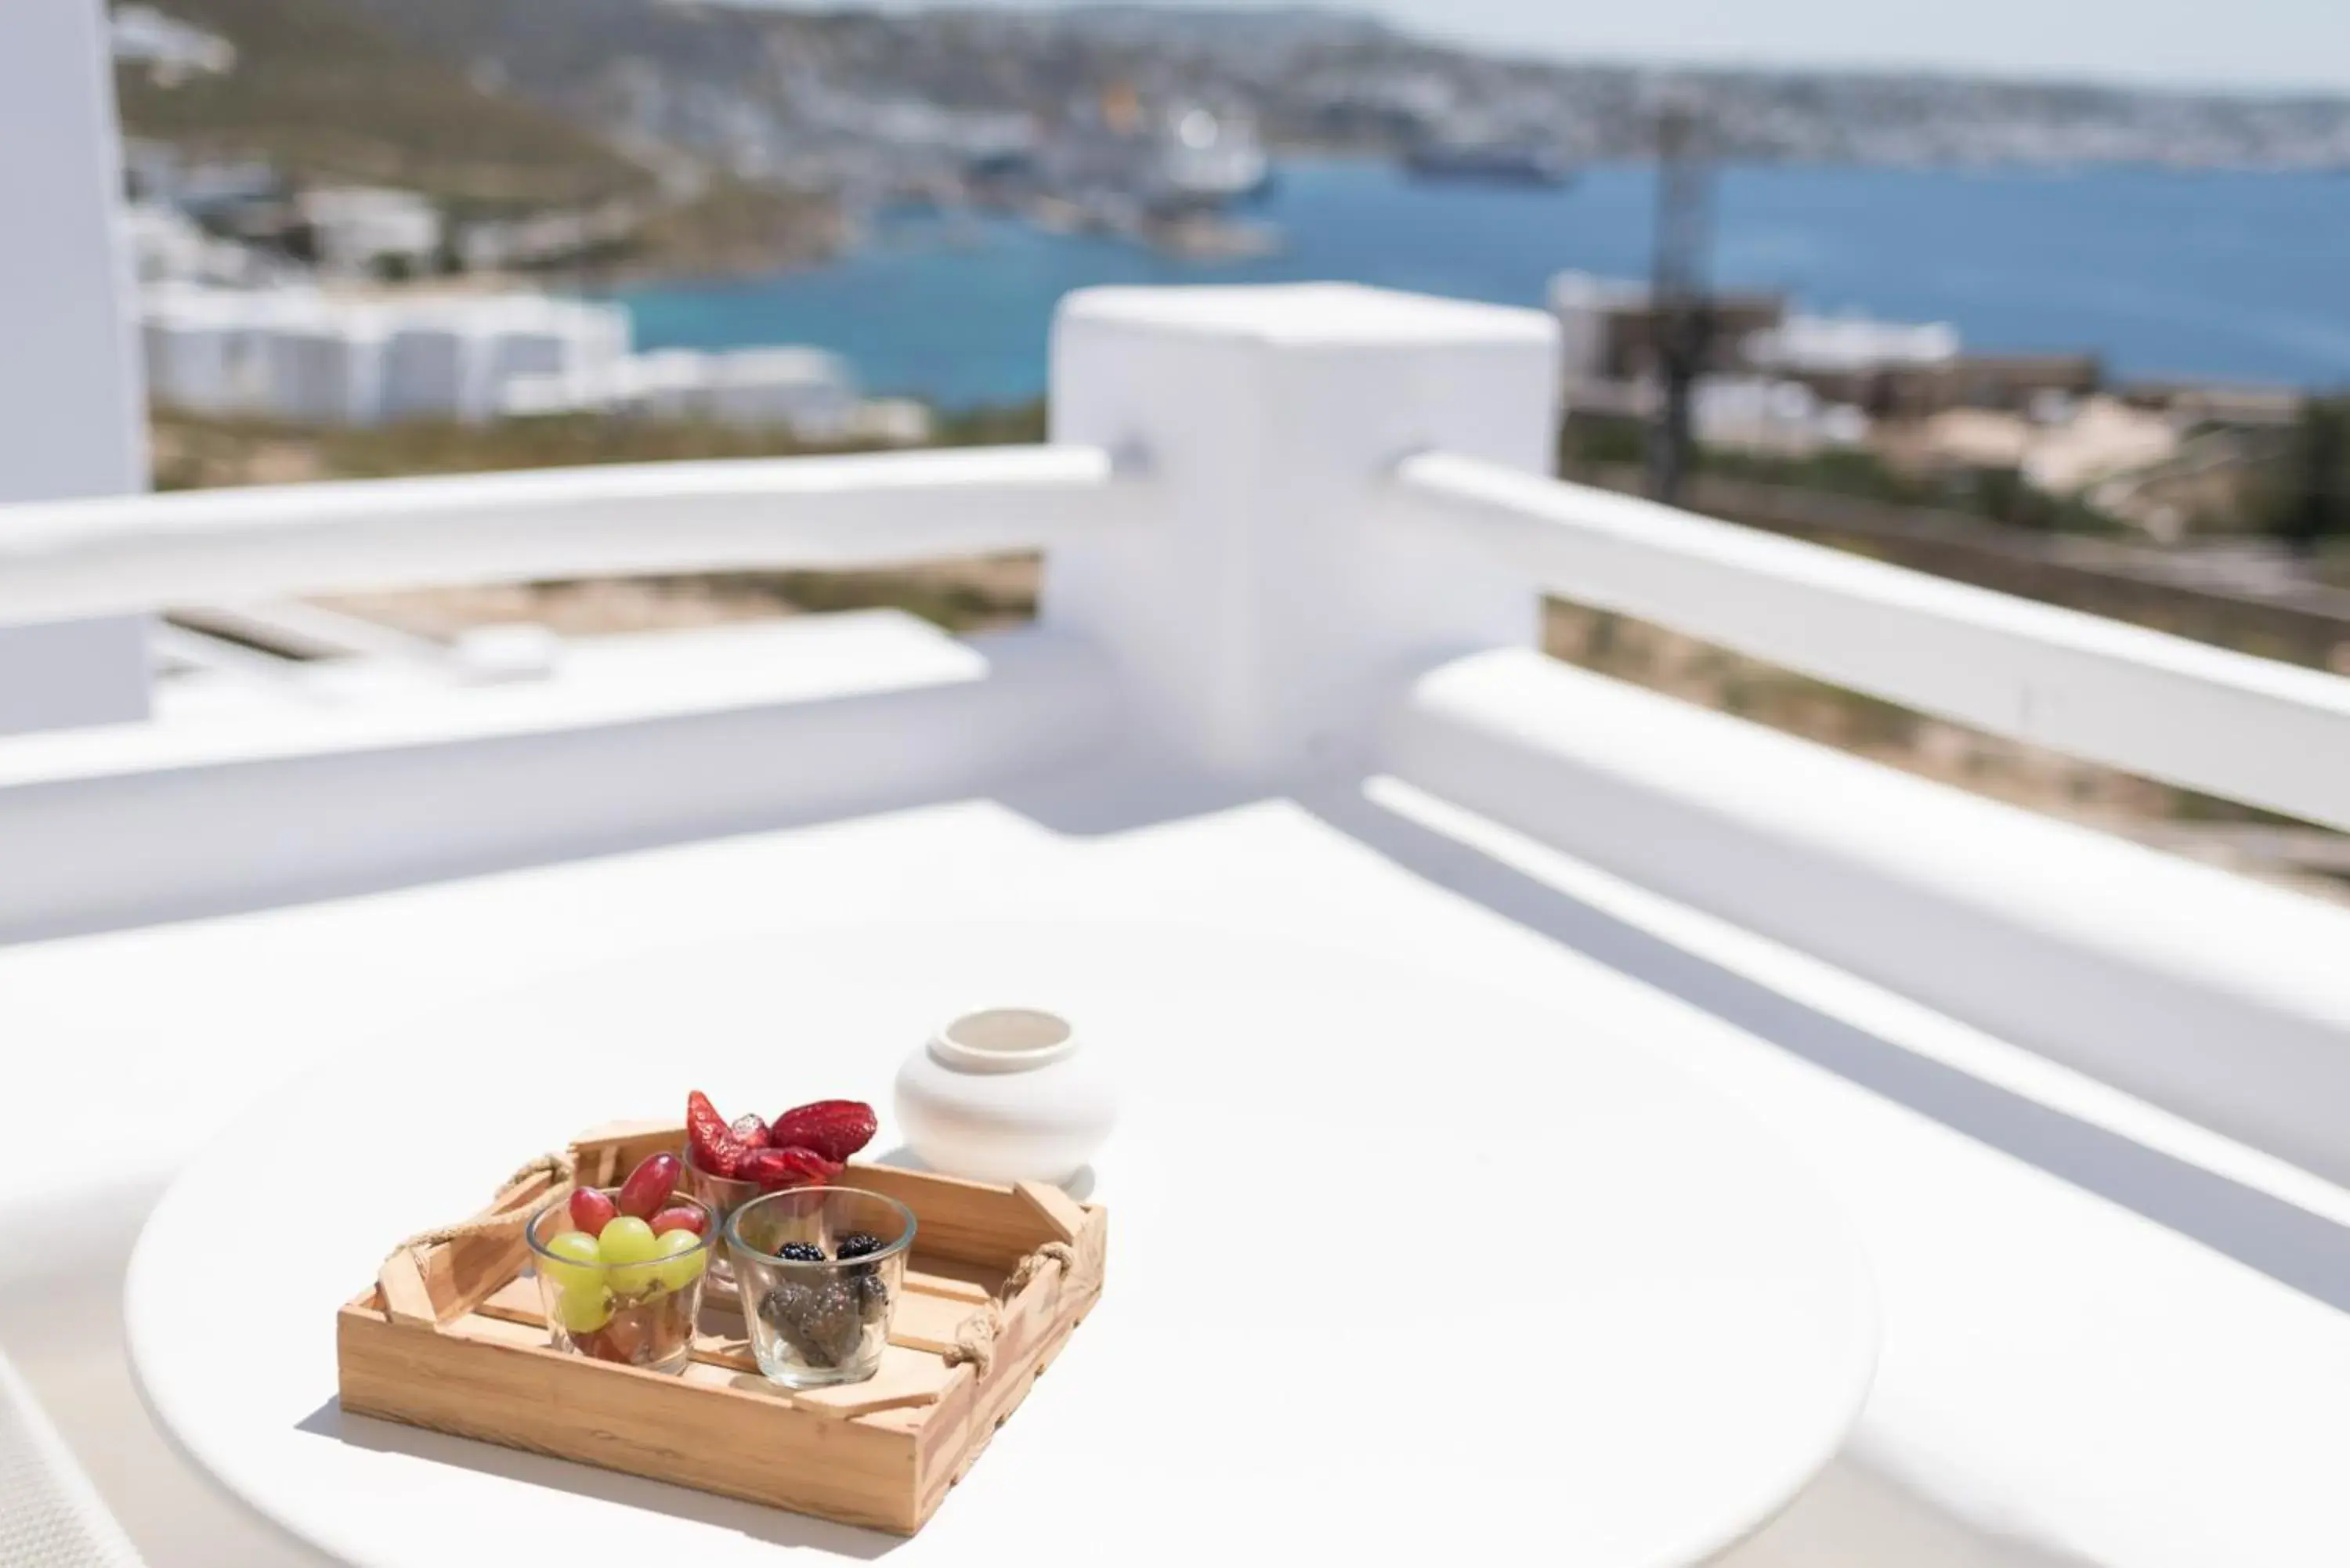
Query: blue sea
x=2221, y=275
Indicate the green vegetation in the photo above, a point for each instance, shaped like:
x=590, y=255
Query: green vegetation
x=323, y=94
x=2000, y=494
x=2309, y=505
x=737, y=227
x=195, y=452
x=1012, y=424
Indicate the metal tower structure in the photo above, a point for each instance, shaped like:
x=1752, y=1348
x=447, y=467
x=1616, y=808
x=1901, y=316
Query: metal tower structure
x=1680, y=308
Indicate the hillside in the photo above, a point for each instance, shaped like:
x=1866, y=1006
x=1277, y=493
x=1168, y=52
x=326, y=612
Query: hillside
x=324, y=92
x=722, y=79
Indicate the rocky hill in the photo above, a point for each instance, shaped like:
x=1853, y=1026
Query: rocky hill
x=324, y=92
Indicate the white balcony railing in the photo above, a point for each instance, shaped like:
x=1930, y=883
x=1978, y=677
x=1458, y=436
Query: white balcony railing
x=1323, y=562
x=74, y=558
x=2206, y=719
x=1330, y=539
x=2249, y=730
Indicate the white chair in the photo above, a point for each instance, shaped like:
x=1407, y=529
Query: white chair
x=50, y=1515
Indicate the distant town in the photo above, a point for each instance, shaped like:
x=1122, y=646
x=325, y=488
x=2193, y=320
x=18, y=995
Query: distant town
x=377, y=236
x=657, y=136
x=394, y=268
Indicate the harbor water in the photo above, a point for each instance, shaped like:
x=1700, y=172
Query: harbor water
x=2216, y=275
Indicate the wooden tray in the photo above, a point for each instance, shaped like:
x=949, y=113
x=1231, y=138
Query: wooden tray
x=452, y=1337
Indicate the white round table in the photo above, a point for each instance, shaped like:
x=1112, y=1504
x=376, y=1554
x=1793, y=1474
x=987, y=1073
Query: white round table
x=1548, y=1300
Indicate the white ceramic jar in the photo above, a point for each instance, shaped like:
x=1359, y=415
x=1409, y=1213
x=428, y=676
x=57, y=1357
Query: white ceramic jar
x=1006, y=1093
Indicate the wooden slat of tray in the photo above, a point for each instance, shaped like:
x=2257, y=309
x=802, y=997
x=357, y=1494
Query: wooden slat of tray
x=924, y=1322
x=929, y=1311
x=516, y=1301
x=967, y=1220
x=1062, y=1214
x=955, y=1278
x=906, y=1378
x=959, y=1429
x=732, y=1437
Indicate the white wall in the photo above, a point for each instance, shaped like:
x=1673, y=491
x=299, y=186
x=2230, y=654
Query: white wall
x=651, y=739
x=72, y=417
x=2216, y=997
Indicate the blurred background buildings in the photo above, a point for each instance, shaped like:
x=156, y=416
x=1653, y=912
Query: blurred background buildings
x=2075, y=340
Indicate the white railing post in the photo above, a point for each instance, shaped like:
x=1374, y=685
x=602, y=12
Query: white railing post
x=1267, y=610
x=72, y=414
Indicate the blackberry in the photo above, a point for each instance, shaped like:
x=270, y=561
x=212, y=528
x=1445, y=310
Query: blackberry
x=801, y=1252
x=872, y=1296
x=787, y=1310
x=824, y=1324
x=857, y=1246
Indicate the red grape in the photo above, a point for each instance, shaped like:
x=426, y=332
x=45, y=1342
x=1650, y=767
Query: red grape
x=752, y=1128
x=649, y=1185
x=591, y=1210
x=681, y=1216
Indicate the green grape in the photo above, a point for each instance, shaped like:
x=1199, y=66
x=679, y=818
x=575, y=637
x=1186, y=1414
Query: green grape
x=583, y=1309
x=627, y=1245
x=574, y=1260
x=627, y=1240
x=684, y=1258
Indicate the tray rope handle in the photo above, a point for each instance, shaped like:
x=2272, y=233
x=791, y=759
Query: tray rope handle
x=489, y=1222
x=974, y=1340
x=401, y=1285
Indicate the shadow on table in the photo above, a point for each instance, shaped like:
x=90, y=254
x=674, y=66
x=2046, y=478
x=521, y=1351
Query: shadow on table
x=2291, y=1245
x=772, y=1525
x=1079, y=1186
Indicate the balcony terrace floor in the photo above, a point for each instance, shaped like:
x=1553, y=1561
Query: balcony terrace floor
x=2109, y=1338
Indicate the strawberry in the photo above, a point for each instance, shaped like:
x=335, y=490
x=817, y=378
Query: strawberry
x=833, y=1129
x=715, y=1147
x=776, y=1168
x=750, y=1130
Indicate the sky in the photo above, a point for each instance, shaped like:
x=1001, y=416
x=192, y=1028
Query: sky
x=2235, y=44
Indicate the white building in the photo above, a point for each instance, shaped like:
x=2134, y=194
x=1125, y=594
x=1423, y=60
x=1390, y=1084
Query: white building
x=1820, y=344
x=325, y=367
x=1583, y=305
x=358, y=229
x=808, y=389
x=812, y=392
x=170, y=50
x=432, y=367
x=1594, y=315
x=1754, y=413
x=208, y=351
x=669, y=384
x=168, y=246
x=308, y=358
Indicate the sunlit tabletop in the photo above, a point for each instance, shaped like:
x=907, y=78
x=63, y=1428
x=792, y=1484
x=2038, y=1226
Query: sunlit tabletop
x=1399, y=1263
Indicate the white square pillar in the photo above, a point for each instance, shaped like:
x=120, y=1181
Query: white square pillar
x=73, y=418
x=1264, y=610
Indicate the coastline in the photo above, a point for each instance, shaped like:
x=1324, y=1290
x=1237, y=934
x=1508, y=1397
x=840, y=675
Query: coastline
x=2022, y=258
x=820, y=231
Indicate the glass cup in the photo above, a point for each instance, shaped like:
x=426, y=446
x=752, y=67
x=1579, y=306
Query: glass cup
x=639, y=1312
x=721, y=1195
x=817, y=1317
